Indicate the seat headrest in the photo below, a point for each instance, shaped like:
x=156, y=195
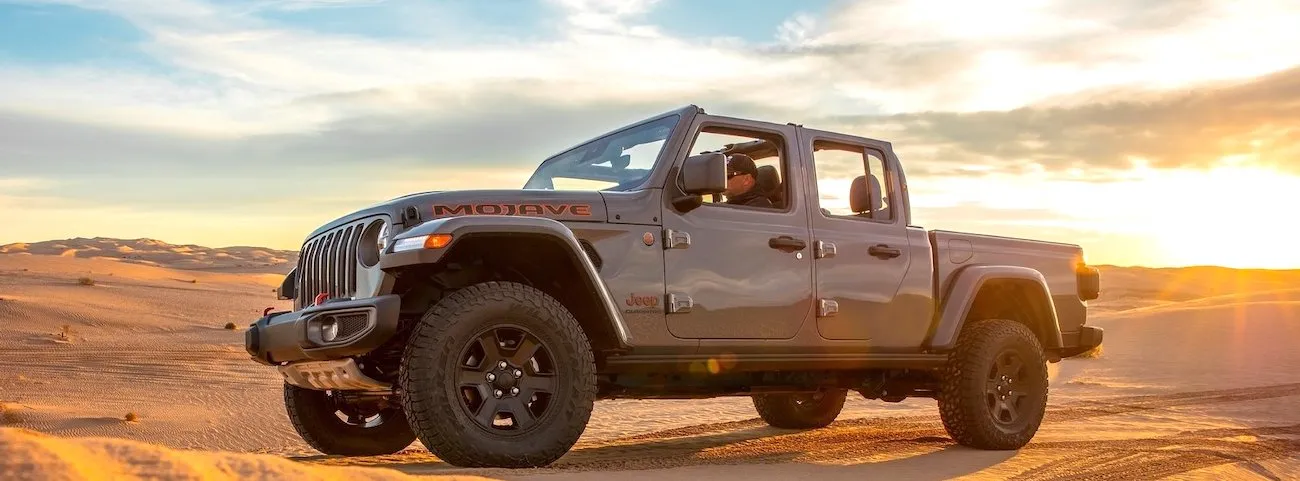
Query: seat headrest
x=860, y=195
x=767, y=181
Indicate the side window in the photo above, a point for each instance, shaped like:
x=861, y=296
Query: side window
x=845, y=170
x=756, y=167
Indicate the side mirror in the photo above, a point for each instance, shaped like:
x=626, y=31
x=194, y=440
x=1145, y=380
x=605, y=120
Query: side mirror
x=704, y=174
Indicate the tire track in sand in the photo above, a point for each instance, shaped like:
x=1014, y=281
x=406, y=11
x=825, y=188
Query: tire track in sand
x=1159, y=457
x=869, y=440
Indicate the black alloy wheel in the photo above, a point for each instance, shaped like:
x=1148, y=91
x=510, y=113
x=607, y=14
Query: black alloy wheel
x=1000, y=390
x=506, y=378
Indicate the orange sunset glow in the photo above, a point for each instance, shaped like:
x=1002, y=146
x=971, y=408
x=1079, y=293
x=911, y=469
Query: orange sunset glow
x=733, y=240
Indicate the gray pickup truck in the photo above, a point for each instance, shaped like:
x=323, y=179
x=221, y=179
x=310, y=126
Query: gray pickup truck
x=689, y=255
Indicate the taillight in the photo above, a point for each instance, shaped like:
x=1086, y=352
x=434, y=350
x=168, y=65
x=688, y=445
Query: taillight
x=1089, y=280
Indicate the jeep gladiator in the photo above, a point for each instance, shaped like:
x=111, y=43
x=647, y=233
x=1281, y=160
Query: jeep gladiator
x=487, y=323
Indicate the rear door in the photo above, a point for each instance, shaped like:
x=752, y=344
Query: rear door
x=862, y=251
x=738, y=271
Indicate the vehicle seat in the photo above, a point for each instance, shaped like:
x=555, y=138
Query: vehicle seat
x=768, y=183
x=881, y=200
x=862, y=202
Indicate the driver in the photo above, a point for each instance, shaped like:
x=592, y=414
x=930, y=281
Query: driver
x=742, y=177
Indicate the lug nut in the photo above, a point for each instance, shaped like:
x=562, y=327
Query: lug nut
x=519, y=373
x=491, y=377
x=501, y=364
x=514, y=391
x=496, y=393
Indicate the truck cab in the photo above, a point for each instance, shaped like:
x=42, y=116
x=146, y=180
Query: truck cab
x=687, y=255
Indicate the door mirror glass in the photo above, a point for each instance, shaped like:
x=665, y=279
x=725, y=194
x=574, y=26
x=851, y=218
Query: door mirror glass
x=705, y=174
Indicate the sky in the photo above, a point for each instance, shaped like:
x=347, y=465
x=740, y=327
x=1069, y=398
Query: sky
x=1150, y=133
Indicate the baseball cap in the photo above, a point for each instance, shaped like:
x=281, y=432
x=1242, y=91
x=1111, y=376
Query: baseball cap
x=741, y=163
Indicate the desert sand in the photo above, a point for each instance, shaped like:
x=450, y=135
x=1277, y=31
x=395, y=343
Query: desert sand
x=154, y=252
x=32, y=455
x=1199, y=377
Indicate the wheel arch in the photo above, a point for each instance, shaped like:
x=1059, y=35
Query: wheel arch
x=535, y=251
x=1015, y=293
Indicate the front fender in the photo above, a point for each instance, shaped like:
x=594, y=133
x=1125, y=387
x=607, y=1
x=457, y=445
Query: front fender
x=466, y=227
x=966, y=285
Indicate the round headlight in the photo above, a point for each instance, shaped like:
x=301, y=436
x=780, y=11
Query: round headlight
x=374, y=240
x=383, y=236
x=329, y=330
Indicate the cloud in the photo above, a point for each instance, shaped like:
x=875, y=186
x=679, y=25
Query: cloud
x=315, y=175
x=606, y=15
x=976, y=98
x=238, y=72
x=501, y=129
x=918, y=55
x=312, y=4
x=1253, y=122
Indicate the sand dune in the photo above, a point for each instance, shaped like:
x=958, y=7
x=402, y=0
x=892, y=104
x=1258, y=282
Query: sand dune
x=158, y=253
x=31, y=455
x=1198, y=378
x=142, y=339
x=1129, y=287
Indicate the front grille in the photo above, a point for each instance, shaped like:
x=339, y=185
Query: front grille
x=328, y=263
x=351, y=324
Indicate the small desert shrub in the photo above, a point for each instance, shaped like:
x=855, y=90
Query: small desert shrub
x=231, y=326
x=131, y=417
x=9, y=415
x=194, y=281
x=1094, y=353
x=86, y=281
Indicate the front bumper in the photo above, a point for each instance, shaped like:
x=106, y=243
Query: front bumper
x=285, y=336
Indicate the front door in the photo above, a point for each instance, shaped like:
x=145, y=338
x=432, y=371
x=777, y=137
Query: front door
x=746, y=271
x=863, y=249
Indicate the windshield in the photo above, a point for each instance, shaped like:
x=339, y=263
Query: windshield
x=619, y=161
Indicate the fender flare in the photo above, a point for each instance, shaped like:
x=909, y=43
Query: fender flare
x=466, y=227
x=960, y=297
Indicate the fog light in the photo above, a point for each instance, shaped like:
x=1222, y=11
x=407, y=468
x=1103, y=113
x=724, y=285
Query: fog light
x=329, y=330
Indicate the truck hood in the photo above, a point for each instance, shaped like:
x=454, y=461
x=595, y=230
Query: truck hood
x=574, y=206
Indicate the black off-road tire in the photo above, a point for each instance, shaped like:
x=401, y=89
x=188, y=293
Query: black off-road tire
x=969, y=393
x=313, y=416
x=433, y=360
x=800, y=411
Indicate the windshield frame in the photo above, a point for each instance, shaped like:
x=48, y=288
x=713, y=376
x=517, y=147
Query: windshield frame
x=597, y=145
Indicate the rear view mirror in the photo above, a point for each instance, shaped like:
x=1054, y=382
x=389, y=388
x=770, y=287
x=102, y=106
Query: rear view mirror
x=704, y=174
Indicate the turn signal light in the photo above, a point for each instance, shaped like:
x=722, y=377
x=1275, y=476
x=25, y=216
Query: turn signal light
x=437, y=241
x=432, y=241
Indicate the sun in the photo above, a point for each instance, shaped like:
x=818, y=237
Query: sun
x=1230, y=215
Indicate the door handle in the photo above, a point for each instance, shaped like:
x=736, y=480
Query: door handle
x=884, y=251
x=787, y=243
